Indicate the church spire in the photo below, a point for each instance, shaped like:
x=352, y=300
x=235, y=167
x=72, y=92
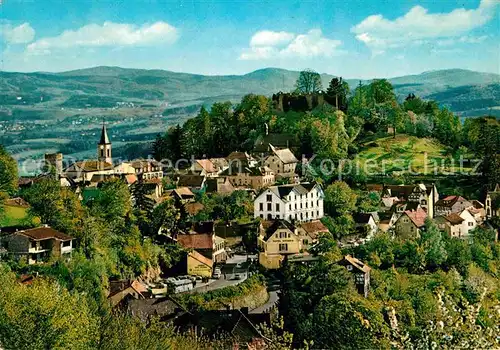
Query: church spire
x=104, y=135
x=104, y=147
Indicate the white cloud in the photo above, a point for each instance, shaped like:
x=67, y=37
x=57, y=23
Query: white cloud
x=21, y=34
x=269, y=38
x=418, y=26
x=107, y=34
x=268, y=44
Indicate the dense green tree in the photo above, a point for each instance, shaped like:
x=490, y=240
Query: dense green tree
x=44, y=316
x=339, y=199
x=308, y=82
x=8, y=172
x=447, y=128
x=168, y=146
x=337, y=93
x=113, y=201
x=56, y=206
x=368, y=202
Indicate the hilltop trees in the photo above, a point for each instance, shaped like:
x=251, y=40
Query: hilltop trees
x=337, y=93
x=308, y=82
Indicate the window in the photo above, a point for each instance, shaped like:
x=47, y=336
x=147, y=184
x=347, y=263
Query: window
x=277, y=216
x=66, y=243
x=295, y=206
x=261, y=206
x=307, y=215
x=269, y=197
x=262, y=216
x=289, y=207
x=471, y=224
x=269, y=207
x=277, y=207
x=349, y=267
x=423, y=202
x=283, y=247
x=306, y=204
x=312, y=204
x=305, y=242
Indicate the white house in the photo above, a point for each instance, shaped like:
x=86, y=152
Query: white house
x=300, y=202
x=469, y=222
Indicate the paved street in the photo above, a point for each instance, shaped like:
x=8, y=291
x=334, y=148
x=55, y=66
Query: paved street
x=237, y=265
x=273, y=299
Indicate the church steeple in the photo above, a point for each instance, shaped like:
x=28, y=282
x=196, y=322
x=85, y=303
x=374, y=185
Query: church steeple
x=104, y=147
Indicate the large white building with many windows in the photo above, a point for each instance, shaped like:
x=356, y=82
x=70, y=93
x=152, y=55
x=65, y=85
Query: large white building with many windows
x=299, y=202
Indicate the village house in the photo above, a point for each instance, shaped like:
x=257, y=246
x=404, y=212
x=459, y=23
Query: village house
x=425, y=195
x=205, y=167
x=239, y=160
x=361, y=273
x=143, y=168
x=492, y=203
x=262, y=145
x=478, y=211
x=365, y=223
x=182, y=194
x=220, y=185
x=193, y=182
x=199, y=265
x=279, y=239
x=276, y=240
x=410, y=223
x=123, y=289
x=220, y=164
x=452, y=204
x=37, y=244
x=299, y=202
x=457, y=225
x=310, y=231
x=282, y=162
x=202, y=238
x=250, y=177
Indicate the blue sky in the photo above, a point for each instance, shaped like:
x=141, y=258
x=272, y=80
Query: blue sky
x=355, y=38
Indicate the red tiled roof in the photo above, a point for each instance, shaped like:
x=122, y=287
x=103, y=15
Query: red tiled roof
x=417, y=216
x=41, y=233
x=449, y=201
x=313, y=228
x=196, y=241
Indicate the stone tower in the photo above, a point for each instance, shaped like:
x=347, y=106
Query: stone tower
x=104, y=147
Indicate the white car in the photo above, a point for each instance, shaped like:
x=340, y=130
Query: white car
x=217, y=273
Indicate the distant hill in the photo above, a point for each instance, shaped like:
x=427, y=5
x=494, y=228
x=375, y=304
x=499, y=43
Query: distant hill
x=462, y=90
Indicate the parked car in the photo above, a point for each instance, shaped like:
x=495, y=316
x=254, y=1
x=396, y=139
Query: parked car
x=217, y=273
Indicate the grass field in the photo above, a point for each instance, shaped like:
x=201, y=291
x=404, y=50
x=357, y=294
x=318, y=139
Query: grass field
x=14, y=216
x=408, y=154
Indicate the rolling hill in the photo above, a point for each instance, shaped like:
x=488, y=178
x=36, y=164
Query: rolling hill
x=461, y=90
x=49, y=112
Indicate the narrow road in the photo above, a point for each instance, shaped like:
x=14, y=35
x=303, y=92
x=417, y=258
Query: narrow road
x=271, y=302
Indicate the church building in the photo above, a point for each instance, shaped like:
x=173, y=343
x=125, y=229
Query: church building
x=82, y=171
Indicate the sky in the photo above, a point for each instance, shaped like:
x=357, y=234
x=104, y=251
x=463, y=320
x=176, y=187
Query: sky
x=354, y=39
